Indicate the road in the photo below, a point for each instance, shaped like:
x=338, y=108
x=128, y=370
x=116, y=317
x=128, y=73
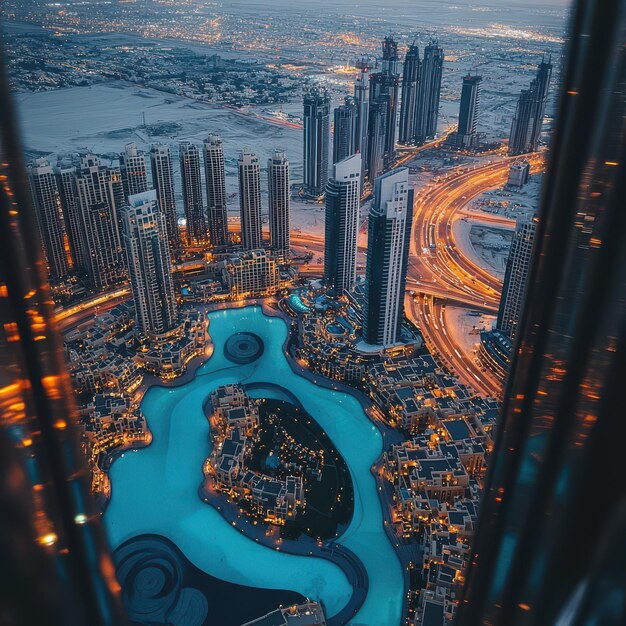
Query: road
x=439, y=272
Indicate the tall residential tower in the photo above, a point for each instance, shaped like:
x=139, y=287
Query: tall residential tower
x=215, y=177
x=192, y=194
x=163, y=182
x=47, y=201
x=279, y=203
x=342, y=225
x=133, y=170
x=410, y=85
x=388, y=242
x=149, y=264
x=429, y=93
x=250, y=200
x=316, y=141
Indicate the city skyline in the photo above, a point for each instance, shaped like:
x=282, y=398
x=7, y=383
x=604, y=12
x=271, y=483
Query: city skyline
x=289, y=274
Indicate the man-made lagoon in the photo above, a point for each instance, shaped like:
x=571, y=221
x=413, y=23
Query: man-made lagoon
x=155, y=490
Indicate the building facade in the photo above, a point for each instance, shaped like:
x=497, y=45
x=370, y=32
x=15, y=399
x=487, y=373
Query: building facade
x=163, y=182
x=193, y=201
x=250, y=200
x=316, y=141
x=345, y=130
x=429, y=93
x=388, y=243
x=215, y=178
x=252, y=273
x=342, y=225
x=100, y=196
x=47, y=202
x=133, y=170
x=516, y=276
x=149, y=264
x=279, y=192
x=410, y=84
x=469, y=111
x=530, y=111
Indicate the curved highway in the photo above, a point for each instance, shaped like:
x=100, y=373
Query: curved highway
x=440, y=272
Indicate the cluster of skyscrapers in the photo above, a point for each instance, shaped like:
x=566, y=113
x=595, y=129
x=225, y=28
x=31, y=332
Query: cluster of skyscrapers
x=367, y=123
x=530, y=111
x=389, y=234
x=79, y=205
x=104, y=224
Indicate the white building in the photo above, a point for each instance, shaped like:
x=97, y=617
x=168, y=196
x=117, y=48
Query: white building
x=250, y=200
x=388, y=242
x=279, y=203
x=149, y=264
x=342, y=225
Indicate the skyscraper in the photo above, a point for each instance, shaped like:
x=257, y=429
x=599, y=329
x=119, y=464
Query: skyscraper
x=429, y=93
x=345, y=130
x=516, y=276
x=65, y=174
x=163, y=182
x=250, y=200
x=133, y=170
x=384, y=89
x=279, y=203
x=388, y=243
x=149, y=264
x=192, y=193
x=541, y=89
x=530, y=111
x=540, y=554
x=376, y=136
x=362, y=100
x=519, y=140
x=47, y=203
x=100, y=193
x=316, y=141
x=342, y=225
x=469, y=110
x=410, y=84
x=216, y=190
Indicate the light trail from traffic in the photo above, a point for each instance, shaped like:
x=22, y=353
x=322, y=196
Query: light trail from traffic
x=440, y=272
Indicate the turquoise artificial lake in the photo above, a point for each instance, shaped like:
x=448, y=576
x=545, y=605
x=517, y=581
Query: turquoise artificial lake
x=155, y=490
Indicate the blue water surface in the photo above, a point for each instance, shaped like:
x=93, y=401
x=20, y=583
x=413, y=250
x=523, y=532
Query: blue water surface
x=155, y=490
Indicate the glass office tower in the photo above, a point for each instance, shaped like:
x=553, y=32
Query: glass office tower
x=550, y=544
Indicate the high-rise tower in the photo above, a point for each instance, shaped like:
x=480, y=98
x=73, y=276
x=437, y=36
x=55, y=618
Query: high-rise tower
x=376, y=136
x=192, y=193
x=279, y=203
x=362, y=100
x=410, y=84
x=469, y=110
x=519, y=140
x=429, y=93
x=388, y=242
x=250, y=200
x=65, y=174
x=384, y=90
x=47, y=203
x=100, y=196
x=215, y=177
x=342, y=225
x=133, y=170
x=540, y=554
x=163, y=182
x=345, y=130
x=516, y=276
x=149, y=264
x=316, y=141
x=530, y=111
